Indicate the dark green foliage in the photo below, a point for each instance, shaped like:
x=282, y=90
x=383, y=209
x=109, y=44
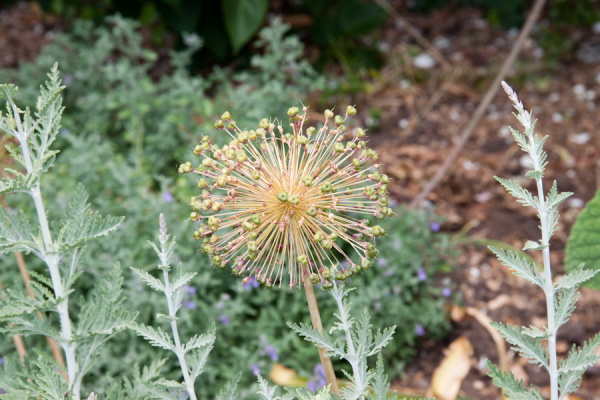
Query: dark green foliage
x=583, y=245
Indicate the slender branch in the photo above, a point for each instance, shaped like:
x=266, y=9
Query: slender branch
x=316, y=321
x=487, y=99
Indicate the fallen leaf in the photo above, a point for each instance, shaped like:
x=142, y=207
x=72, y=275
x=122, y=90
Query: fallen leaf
x=449, y=375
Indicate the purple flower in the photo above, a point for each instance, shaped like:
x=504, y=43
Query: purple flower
x=167, y=196
x=190, y=289
x=446, y=292
x=272, y=352
x=224, y=319
x=251, y=283
x=318, y=380
x=1, y=360
x=434, y=226
x=419, y=330
x=312, y=385
x=255, y=370
x=190, y=305
x=421, y=274
x=319, y=371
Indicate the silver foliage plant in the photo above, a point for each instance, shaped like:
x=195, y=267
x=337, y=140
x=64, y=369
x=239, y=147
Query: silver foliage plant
x=58, y=244
x=561, y=296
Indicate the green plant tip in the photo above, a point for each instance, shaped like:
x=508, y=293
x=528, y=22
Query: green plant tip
x=302, y=259
x=219, y=124
x=255, y=219
x=338, y=147
x=360, y=133
x=311, y=131
x=312, y=211
x=318, y=237
x=255, y=175
x=365, y=264
x=293, y=111
x=242, y=137
x=264, y=124
x=202, y=183
x=283, y=197
x=216, y=207
x=326, y=187
x=302, y=140
x=378, y=231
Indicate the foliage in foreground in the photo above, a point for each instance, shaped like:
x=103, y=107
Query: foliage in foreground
x=565, y=376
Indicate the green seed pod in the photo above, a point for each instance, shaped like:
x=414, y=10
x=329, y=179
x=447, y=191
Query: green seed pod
x=383, y=201
x=252, y=235
x=327, y=275
x=193, y=216
x=326, y=187
x=241, y=156
x=350, y=110
x=294, y=200
x=248, y=226
x=328, y=114
x=369, y=191
x=219, y=124
x=365, y=264
x=340, y=276
x=226, y=116
x=262, y=279
x=302, y=140
x=318, y=237
x=314, y=278
x=242, y=137
x=293, y=111
x=342, y=128
x=360, y=133
x=351, y=145
x=197, y=149
x=333, y=236
x=283, y=197
x=385, y=179
x=308, y=180
x=378, y=231
x=264, y=124
x=252, y=135
x=326, y=244
x=207, y=162
x=362, y=144
x=382, y=189
x=255, y=175
x=288, y=137
x=206, y=249
x=338, y=147
x=216, y=207
x=327, y=285
x=338, y=120
x=217, y=259
x=202, y=183
x=302, y=259
x=231, y=126
x=221, y=180
x=356, y=163
x=376, y=176
x=269, y=285
x=311, y=131
x=371, y=247
x=312, y=211
x=251, y=255
x=356, y=269
x=252, y=246
x=255, y=219
x=213, y=221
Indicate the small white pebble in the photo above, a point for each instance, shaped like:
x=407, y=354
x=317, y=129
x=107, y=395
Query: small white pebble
x=457, y=56
x=470, y=166
x=526, y=161
x=579, y=91
x=483, y=197
x=576, y=202
x=474, y=271
x=580, y=138
x=404, y=83
x=441, y=42
x=554, y=97
x=538, y=52
x=383, y=46
x=403, y=123
x=454, y=115
x=504, y=132
x=557, y=117
x=424, y=61
x=571, y=173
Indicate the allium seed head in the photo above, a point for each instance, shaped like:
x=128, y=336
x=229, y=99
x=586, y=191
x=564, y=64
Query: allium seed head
x=290, y=203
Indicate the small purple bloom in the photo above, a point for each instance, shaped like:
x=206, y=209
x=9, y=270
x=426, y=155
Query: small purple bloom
x=446, y=292
x=167, y=196
x=224, y=319
x=419, y=330
x=434, y=226
x=255, y=370
x=421, y=274
x=312, y=385
x=272, y=352
x=190, y=289
x=190, y=305
x=252, y=283
x=319, y=371
x=1, y=360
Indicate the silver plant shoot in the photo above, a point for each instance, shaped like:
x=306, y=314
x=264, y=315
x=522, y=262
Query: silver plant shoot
x=565, y=375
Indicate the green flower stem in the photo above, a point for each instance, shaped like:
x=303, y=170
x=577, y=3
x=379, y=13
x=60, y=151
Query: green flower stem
x=317, y=324
x=548, y=285
x=50, y=257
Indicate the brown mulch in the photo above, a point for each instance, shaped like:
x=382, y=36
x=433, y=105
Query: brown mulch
x=422, y=114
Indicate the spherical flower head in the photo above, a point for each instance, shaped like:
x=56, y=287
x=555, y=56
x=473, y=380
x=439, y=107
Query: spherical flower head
x=289, y=202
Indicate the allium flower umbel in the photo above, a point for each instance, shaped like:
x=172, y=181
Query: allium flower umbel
x=292, y=201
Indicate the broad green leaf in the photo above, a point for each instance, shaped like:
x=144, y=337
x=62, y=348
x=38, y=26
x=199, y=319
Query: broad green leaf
x=357, y=18
x=583, y=245
x=242, y=19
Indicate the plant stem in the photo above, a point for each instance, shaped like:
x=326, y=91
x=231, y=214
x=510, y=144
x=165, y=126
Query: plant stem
x=316, y=321
x=51, y=258
x=189, y=383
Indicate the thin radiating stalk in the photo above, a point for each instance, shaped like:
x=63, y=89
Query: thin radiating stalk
x=316, y=321
x=51, y=258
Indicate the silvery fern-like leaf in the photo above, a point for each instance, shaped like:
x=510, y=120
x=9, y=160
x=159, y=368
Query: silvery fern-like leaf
x=530, y=245
x=581, y=358
x=569, y=381
x=229, y=392
x=382, y=339
x=554, y=199
x=564, y=305
x=322, y=339
x=157, y=337
x=15, y=303
x=197, y=359
x=269, y=392
x=522, y=195
x=150, y=280
x=83, y=225
x=526, y=346
x=512, y=388
x=170, y=384
x=575, y=278
x=519, y=265
x=535, y=333
x=18, y=183
x=307, y=394
x=380, y=385
x=51, y=384
x=16, y=234
x=199, y=341
x=182, y=280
